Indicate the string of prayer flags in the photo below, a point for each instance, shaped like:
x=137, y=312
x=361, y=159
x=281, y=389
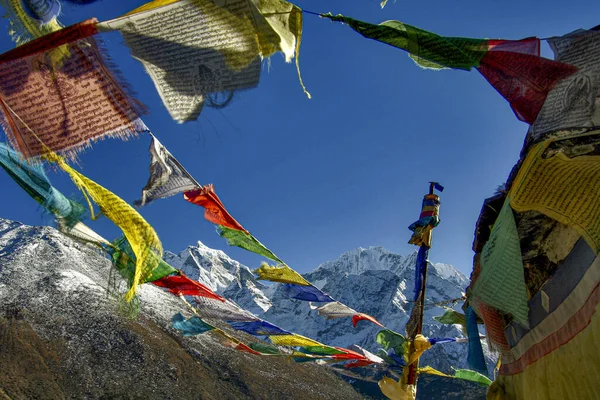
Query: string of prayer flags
x=190, y=327
x=513, y=68
x=572, y=106
x=123, y=260
x=259, y=327
x=181, y=285
x=501, y=282
x=565, y=189
x=193, y=50
x=475, y=357
x=31, y=19
x=215, y=210
x=63, y=105
x=321, y=350
x=142, y=238
x=283, y=274
x=305, y=293
x=246, y=241
x=32, y=178
x=207, y=307
x=264, y=348
x=167, y=175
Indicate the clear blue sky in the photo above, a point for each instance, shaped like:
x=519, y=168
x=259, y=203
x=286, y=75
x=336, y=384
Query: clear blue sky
x=314, y=178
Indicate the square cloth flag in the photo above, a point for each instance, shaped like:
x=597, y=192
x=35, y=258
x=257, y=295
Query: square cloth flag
x=61, y=100
x=193, y=50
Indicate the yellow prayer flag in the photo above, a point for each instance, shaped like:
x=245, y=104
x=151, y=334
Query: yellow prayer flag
x=565, y=189
x=397, y=391
x=432, y=371
x=283, y=274
x=294, y=340
x=421, y=345
x=141, y=236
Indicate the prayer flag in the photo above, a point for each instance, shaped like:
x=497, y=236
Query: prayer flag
x=215, y=210
x=222, y=310
x=572, y=105
x=283, y=274
x=246, y=241
x=32, y=178
x=62, y=105
x=565, y=189
x=294, y=340
x=193, y=50
x=181, y=285
x=124, y=261
x=190, y=327
x=305, y=293
x=364, y=317
x=475, y=357
x=167, y=175
x=143, y=239
x=336, y=310
x=501, y=282
x=260, y=327
x=31, y=19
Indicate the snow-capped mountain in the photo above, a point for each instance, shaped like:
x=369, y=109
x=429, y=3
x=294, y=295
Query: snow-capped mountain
x=222, y=274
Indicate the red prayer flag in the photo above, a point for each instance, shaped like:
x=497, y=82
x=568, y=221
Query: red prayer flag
x=361, y=316
x=348, y=355
x=243, y=347
x=516, y=70
x=57, y=93
x=215, y=210
x=182, y=285
x=358, y=363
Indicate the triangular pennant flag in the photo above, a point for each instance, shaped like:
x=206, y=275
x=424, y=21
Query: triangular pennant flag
x=215, y=210
x=283, y=274
x=182, y=285
x=501, y=282
x=190, y=327
x=167, y=175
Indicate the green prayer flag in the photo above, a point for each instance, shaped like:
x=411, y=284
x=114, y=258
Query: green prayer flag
x=501, y=283
x=472, y=376
x=246, y=241
x=124, y=260
x=390, y=339
x=264, y=348
x=427, y=49
x=320, y=350
x=451, y=317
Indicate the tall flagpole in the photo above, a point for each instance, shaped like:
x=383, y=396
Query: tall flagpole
x=422, y=236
